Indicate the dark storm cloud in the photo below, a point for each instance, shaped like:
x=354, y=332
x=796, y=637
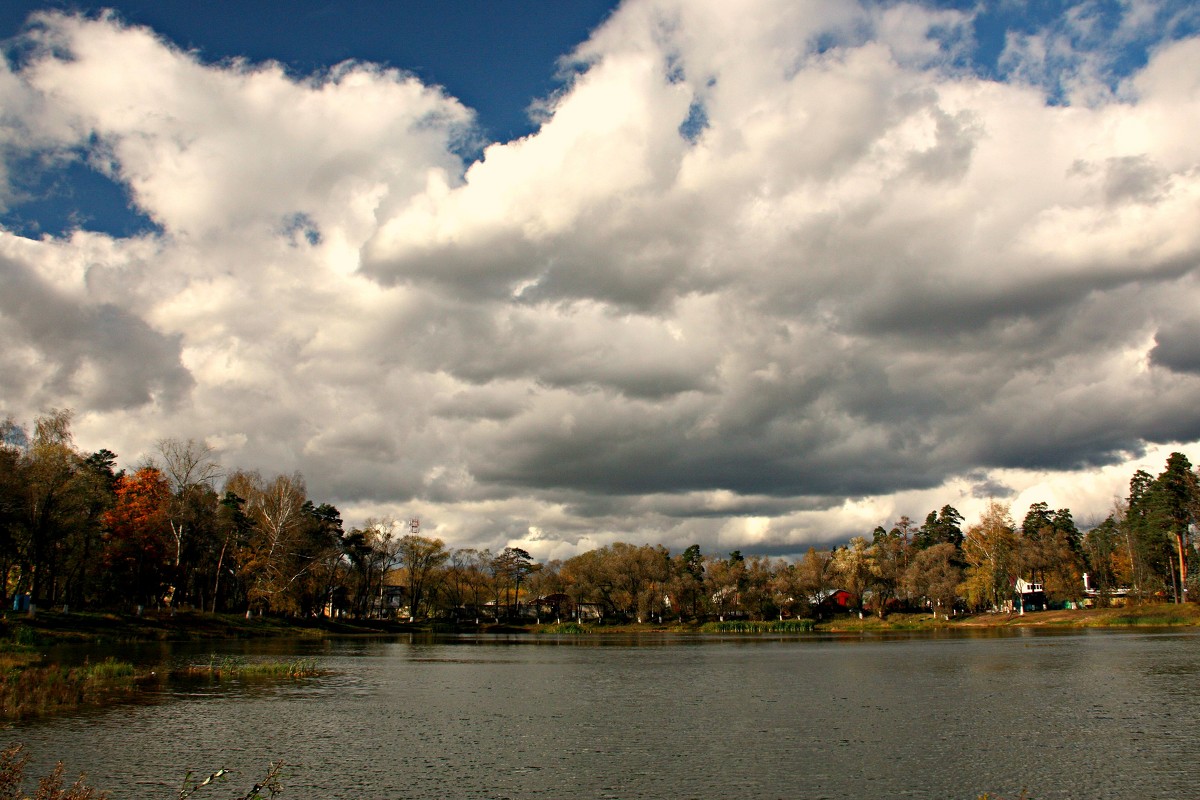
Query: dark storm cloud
x=1177, y=347
x=99, y=355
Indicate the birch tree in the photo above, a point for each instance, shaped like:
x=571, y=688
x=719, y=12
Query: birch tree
x=190, y=469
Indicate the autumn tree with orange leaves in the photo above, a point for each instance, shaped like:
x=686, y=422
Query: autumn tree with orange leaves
x=137, y=546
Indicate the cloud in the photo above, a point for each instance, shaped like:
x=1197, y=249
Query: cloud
x=1177, y=347
x=61, y=348
x=766, y=275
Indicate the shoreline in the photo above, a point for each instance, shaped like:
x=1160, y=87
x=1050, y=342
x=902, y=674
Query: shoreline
x=20, y=633
x=31, y=684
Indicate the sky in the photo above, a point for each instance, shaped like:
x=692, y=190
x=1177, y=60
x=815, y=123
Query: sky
x=757, y=275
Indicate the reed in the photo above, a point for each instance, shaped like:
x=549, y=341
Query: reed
x=764, y=626
x=227, y=667
x=13, y=761
x=50, y=787
x=36, y=690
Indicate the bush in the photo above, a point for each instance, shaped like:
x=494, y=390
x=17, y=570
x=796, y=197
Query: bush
x=12, y=773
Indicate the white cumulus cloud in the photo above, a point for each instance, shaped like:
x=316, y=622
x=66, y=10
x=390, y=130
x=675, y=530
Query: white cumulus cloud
x=767, y=273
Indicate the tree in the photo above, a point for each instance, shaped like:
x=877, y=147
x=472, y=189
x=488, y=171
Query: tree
x=55, y=500
x=638, y=575
x=191, y=470
x=686, y=584
x=137, y=546
x=887, y=554
x=546, y=586
x=13, y=445
x=989, y=549
x=1049, y=552
x=271, y=560
x=935, y=576
x=814, y=575
x=372, y=551
x=1037, y=522
x=468, y=580
x=98, y=480
x=940, y=526
x=1103, y=551
x=1174, y=498
x=319, y=546
x=757, y=594
x=1146, y=542
x=517, y=564
x=235, y=527
x=725, y=579
x=788, y=592
x=420, y=557
x=852, y=567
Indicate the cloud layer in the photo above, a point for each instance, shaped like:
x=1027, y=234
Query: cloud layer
x=763, y=276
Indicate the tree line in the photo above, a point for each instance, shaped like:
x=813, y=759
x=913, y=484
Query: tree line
x=178, y=531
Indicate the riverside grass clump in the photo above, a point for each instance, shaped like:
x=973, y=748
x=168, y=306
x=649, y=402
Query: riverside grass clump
x=28, y=690
x=566, y=627
x=228, y=667
x=763, y=626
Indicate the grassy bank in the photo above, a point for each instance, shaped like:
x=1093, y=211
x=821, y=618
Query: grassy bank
x=1150, y=615
x=21, y=637
x=29, y=688
x=47, y=627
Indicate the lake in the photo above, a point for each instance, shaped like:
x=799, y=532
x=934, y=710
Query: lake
x=1079, y=714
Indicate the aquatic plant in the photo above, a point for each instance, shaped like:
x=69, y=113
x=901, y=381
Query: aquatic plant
x=765, y=626
x=223, y=667
x=34, y=690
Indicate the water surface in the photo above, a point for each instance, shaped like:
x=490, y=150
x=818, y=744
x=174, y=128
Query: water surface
x=1087, y=714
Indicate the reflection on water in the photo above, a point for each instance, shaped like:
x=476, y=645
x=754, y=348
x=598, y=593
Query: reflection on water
x=1069, y=714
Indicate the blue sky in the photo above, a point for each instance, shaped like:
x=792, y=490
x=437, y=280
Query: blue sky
x=496, y=57
x=760, y=274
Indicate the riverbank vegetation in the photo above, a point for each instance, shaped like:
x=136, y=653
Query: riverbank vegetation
x=14, y=761
x=31, y=688
x=183, y=541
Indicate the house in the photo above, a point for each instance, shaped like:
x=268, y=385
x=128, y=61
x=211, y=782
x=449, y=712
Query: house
x=834, y=600
x=1116, y=597
x=1029, y=596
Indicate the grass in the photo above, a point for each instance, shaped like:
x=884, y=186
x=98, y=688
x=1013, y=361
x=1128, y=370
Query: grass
x=566, y=627
x=91, y=627
x=30, y=689
x=1156, y=616
x=227, y=667
x=765, y=626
